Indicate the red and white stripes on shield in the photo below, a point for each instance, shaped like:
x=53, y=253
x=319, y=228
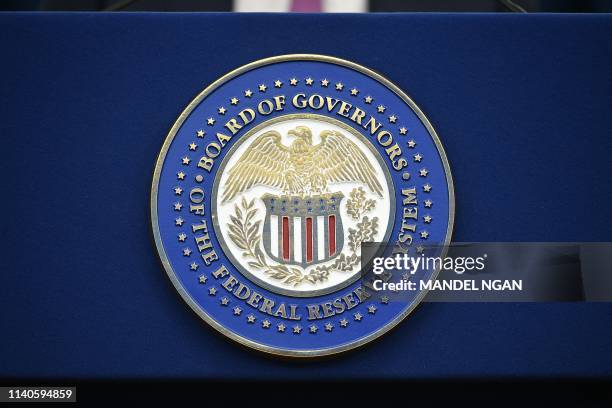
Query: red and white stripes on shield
x=309, y=239
x=332, y=234
x=298, y=239
x=286, y=239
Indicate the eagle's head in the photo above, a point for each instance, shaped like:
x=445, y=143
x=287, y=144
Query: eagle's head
x=302, y=132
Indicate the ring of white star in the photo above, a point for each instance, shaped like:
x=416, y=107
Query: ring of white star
x=339, y=86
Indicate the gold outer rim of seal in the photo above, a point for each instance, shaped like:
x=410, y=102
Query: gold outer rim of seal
x=155, y=189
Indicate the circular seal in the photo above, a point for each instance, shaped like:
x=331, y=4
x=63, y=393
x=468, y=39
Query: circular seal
x=269, y=183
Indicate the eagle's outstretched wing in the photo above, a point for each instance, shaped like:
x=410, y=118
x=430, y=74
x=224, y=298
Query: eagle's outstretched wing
x=264, y=162
x=339, y=159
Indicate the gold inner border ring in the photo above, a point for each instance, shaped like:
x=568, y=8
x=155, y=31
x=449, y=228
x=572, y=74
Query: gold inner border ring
x=155, y=190
x=249, y=275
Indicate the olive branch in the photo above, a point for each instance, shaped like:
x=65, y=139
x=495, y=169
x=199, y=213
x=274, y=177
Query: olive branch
x=367, y=229
x=244, y=232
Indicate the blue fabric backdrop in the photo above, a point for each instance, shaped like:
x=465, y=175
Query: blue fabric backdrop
x=522, y=104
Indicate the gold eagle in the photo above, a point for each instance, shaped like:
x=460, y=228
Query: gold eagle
x=302, y=168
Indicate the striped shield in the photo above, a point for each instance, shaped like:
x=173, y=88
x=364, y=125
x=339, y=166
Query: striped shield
x=303, y=231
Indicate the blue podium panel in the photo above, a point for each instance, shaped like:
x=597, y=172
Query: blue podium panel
x=520, y=102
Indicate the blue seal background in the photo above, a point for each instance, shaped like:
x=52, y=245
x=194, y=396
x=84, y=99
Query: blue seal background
x=525, y=122
x=197, y=120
